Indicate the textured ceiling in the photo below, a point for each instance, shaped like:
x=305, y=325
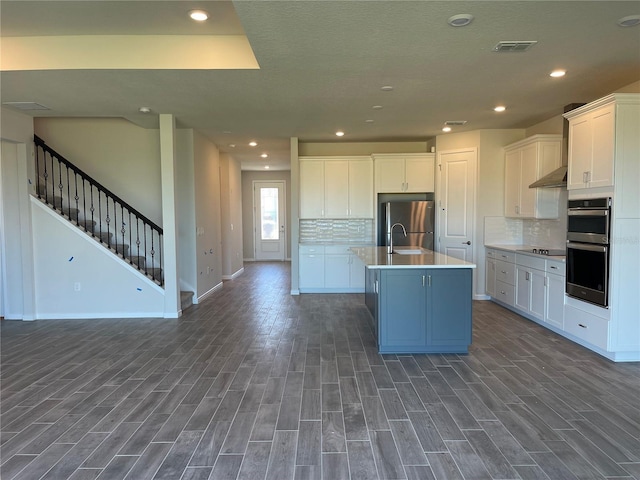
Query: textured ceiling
x=322, y=65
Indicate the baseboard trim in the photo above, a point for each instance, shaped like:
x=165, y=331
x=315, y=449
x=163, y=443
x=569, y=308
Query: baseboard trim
x=95, y=316
x=206, y=294
x=481, y=297
x=234, y=275
x=295, y=292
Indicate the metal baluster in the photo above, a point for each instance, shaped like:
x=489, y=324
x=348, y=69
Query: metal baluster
x=76, y=197
x=122, y=230
x=153, y=253
x=60, y=187
x=130, y=228
x=84, y=204
x=93, y=209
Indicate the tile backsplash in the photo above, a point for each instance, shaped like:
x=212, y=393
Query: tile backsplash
x=335, y=230
x=525, y=231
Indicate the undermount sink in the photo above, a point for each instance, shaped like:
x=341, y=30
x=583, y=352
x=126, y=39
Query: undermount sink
x=408, y=251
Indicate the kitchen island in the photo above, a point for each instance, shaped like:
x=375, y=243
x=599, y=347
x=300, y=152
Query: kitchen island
x=420, y=300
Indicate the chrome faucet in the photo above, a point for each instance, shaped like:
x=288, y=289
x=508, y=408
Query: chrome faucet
x=390, y=246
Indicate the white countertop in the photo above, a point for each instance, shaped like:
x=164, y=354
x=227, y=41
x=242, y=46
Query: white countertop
x=377, y=257
x=522, y=249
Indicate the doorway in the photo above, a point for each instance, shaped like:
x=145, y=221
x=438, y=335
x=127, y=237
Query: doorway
x=269, y=220
x=456, y=203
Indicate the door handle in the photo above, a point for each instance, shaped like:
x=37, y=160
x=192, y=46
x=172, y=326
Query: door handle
x=468, y=242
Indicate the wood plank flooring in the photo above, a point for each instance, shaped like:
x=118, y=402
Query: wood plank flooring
x=254, y=383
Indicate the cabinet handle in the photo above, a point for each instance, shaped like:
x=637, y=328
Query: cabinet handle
x=503, y=272
x=423, y=280
x=526, y=276
x=555, y=268
x=429, y=280
x=503, y=292
x=582, y=326
x=504, y=256
x=585, y=177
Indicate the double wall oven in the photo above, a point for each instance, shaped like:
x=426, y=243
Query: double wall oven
x=588, y=235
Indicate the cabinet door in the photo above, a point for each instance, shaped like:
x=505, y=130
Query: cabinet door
x=449, y=307
x=554, y=314
x=336, y=189
x=528, y=175
x=580, y=152
x=490, y=277
x=512, y=184
x=356, y=272
x=336, y=271
x=389, y=173
x=523, y=288
x=361, y=188
x=538, y=294
x=419, y=174
x=311, y=271
x=312, y=189
x=402, y=309
x=603, y=131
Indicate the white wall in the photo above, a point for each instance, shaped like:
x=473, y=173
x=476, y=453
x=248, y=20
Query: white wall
x=207, y=214
x=186, y=218
x=67, y=259
x=359, y=148
x=121, y=156
x=231, y=216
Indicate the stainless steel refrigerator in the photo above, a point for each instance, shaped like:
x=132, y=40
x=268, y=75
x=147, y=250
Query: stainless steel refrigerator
x=418, y=218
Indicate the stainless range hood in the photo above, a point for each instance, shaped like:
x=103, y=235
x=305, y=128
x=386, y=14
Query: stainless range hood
x=558, y=178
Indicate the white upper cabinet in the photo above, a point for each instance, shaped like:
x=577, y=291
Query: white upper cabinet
x=591, y=148
x=336, y=187
x=397, y=173
x=525, y=162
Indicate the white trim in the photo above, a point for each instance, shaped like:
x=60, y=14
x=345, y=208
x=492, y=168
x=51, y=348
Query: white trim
x=93, y=316
x=481, y=296
x=295, y=292
x=282, y=186
x=206, y=294
x=234, y=275
x=249, y=259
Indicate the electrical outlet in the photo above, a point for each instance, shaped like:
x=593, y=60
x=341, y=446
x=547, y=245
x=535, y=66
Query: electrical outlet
x=77, y=286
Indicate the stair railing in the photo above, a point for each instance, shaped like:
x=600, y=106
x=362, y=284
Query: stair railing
x=101, y=213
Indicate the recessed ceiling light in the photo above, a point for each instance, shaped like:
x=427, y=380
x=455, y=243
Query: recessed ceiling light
x=461, y=20
x=227, y=132
x=500, y=108
x=446, y=129
x=232, y=145
x=144, y=110
x=266, y=167
x=629, y=21
x=253, y=144
x=377, y=107
x=340, y=133
x=557, y=73
x=264, y=155
x=198, y=15
x=369, y=120
x=386, y=88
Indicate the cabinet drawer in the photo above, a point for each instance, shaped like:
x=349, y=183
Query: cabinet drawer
x=586, y=326
x=491, y=253
x=557, y=267
x=532, y=262
x=337, y=249
x=506, y=256
x=505, y=293
x=311, y=249
x=505, y=272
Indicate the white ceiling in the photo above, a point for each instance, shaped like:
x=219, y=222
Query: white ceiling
x=322, y=65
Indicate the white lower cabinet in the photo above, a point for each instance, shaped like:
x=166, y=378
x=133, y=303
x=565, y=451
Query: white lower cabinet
x=330, y=269
x=555, y=287
x=530, y=285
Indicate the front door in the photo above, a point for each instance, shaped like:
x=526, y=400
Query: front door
x=269, y=220
x=456, y=205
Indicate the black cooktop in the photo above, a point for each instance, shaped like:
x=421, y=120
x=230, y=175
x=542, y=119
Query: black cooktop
x=545, y=251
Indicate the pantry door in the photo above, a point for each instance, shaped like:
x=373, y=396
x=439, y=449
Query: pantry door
x=456, y=202
x=269, y=220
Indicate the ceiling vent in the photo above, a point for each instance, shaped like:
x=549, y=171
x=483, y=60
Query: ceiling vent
x=26, y=105
x=514, y=46
x=454, y=123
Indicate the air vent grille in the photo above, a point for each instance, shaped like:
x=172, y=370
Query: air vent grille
x=453, y=123
x=514, y=46
x=26, y=105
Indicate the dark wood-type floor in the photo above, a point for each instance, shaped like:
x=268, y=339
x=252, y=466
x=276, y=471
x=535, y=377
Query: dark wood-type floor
x=256, y=384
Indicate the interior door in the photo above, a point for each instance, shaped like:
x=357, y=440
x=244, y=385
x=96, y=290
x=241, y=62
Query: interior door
x=456, y=203
x=269, y=220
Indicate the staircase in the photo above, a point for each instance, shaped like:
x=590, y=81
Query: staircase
x=95, y=210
